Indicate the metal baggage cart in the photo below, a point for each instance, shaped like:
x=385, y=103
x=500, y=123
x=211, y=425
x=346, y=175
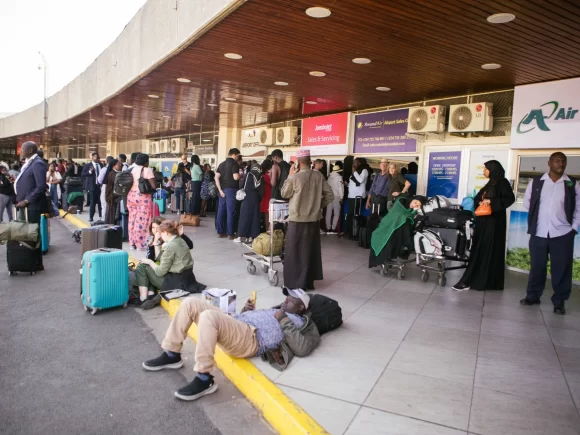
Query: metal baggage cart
x=425, y=261
x=397, y=264
x=278, y=213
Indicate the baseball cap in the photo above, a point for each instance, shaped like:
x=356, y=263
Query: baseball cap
x=297, y=293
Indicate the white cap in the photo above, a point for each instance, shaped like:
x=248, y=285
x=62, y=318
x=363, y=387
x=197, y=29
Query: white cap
x=297, y=293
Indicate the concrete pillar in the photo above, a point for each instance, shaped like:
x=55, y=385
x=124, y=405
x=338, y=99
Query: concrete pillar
x=228, y=138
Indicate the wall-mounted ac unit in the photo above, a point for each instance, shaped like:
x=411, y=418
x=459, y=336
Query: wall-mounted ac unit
x=266, y=136
x=177, y=145
x=470, y=117
x=427, y=119
x=286, y=135
x=163, y=146
x=151, y=147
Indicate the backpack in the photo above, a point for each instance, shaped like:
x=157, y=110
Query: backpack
x=178, y=181
x=428, y=242
x=261, y=244
x=326, y=313
x=123, y=183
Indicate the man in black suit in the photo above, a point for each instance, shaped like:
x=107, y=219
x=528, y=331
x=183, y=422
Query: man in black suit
x=89, y=175
x=30, y=186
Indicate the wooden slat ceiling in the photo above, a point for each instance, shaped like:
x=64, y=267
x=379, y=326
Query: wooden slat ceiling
x=421, y=49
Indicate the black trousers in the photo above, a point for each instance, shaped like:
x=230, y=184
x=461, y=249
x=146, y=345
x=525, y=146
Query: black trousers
x=561, y=251
x=95, y=198
x=353, y=217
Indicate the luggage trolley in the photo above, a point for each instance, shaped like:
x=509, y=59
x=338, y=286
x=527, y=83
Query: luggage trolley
x=278, y=213
x=398, y=265
x=456, y=246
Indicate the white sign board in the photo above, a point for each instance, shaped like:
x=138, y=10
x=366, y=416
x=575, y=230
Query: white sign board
x=547, y=115
x=251, y=142
x=477, y=158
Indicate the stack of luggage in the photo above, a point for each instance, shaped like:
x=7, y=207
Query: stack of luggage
x=453, y=226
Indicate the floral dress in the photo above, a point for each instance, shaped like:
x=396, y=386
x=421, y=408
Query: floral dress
x=208, y=187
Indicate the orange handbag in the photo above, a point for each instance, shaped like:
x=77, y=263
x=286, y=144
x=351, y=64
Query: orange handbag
x=484, y=209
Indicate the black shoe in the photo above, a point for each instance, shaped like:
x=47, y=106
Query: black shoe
x=460, y=287
x=560, y=309
x=526, y=301
x=163, y=362
x=151, y=302
x=197, y=388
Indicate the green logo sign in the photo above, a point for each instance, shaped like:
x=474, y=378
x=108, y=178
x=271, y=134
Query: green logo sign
x=539, y=117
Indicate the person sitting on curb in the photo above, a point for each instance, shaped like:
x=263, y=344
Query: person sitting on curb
x=174, y=271
x=276, y=334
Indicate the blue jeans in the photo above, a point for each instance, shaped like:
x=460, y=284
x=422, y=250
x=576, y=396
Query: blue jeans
x=227, y=207
x=54, y=196
x=179, y=198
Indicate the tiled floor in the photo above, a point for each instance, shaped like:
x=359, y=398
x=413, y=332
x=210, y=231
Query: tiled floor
x=415, y=358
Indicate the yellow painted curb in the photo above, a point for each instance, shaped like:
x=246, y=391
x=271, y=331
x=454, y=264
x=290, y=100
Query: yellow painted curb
x=283, y=414
x=287, y=417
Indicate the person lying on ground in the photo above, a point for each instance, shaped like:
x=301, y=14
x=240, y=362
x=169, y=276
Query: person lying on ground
x=174, y=271
x=275, y=334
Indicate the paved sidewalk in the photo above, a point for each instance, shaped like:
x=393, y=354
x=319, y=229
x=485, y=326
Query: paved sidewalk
x=415, y=358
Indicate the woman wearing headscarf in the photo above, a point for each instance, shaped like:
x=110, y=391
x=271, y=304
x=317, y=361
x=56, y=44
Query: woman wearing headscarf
x=249, y=224
x=110, y=198
x=486, y=267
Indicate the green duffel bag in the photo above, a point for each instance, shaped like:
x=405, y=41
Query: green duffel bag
x=19, y=231
x=261, y=244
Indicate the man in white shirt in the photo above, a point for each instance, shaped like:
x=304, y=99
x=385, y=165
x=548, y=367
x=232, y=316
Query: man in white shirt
x=553, y=201
x=90, y=174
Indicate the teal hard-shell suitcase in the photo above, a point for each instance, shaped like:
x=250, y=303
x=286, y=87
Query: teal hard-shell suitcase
x=44, y=234
x=105, y=279
x=162, y=204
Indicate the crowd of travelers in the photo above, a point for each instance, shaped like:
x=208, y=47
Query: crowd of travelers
x=322, y=200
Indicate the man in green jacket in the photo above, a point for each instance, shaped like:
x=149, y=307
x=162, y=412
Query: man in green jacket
x=276, y=334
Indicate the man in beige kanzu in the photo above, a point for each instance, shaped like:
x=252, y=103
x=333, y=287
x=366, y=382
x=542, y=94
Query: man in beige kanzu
x=308, y=192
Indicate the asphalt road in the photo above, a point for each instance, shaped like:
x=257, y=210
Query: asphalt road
x=63, y=371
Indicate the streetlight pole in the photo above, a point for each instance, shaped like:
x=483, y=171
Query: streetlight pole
x=45, y=101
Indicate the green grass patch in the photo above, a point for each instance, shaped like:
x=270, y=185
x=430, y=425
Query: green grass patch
x=520, y=258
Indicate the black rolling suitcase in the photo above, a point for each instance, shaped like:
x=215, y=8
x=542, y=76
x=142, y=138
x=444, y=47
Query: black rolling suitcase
x=21, y=258
x=455, y=243
x=373, y=221
x=449, y=217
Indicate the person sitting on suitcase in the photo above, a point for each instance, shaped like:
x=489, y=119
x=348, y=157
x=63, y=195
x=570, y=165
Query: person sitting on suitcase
x=276, y=334
x=174, y=271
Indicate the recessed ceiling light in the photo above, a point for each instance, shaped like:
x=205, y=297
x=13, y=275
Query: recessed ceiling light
x=126, y=106
x=166, y=116
x=80, y=124
x=108, y=114
x=491, y=66
x=230, y=99
x=234, y=56
x=197, y=125
x=212, y=105
x=206, y=140
x=361, y=60
x=383, y=88
x=318, y=12
x=317, y=73
x=153, y=96
x=281, y=83
x=501, y=18
x=311, y=102
x=182, y=80
x=68, y=128
x=92, y=120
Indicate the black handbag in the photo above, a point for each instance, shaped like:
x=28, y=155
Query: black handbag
x=73, y=181
x=144, y=185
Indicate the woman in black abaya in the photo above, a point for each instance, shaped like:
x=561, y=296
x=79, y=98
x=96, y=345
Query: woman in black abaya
x=486, y=267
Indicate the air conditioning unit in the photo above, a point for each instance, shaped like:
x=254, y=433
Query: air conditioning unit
x=427, y=119
x=177, y=145
x=163, y=146
x=286, y=135
x=470, y=117
x=266, y=136
x=150, y=147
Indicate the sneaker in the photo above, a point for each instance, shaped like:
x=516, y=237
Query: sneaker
x=459, y=287
x=151, y=302
x=560, y=309
x=91, y=221
x=240, y=240
x=163, y=362
x=526, y=301
x=196, y=389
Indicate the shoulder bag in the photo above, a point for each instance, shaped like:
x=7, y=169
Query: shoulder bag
x=241, y=194
x=144, y=185
x=483, y=209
